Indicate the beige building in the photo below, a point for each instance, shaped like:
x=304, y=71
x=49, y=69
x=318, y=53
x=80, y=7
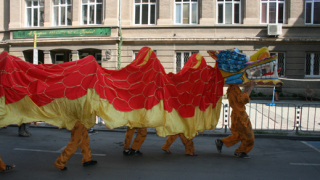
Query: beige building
x=114, y=30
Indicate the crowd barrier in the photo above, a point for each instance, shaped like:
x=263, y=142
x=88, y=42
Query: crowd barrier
x=278, y=117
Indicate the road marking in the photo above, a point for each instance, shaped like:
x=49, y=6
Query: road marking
x=304, y=164
x=310, y=146
x=58, y=151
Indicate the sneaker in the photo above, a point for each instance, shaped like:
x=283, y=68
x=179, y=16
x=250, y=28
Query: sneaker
x=219, y=145
x=134, y=152
x=91, y=130
x=28, y=132
x=126, y=152
x=24, y=134
x=241, y=155
x=89, y=163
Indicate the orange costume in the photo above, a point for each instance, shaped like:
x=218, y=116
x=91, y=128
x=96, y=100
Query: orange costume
x=2, y=165
x=79, y=138
x=240, y=123
x=141, y=136
x=188, y=143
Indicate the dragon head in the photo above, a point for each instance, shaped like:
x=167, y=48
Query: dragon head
x=239, y=68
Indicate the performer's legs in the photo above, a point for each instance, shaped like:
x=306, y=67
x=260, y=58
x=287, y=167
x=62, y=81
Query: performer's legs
x=169, y=141
x=2, y=165
x=188, y=143
x=247, y=139
x=26, y=129
x=22, y=130
x=76, y=140
x=141, y=136
x=85, y=148
x=128, y=138
x=232, y=139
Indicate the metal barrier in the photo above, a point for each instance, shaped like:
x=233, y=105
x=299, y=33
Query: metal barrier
x=309, y=118
x=281, y=117
x=221, y=121
x=266, y=117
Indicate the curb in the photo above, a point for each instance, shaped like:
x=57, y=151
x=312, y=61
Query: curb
x=271, y=136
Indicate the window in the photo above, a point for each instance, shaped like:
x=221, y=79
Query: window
x=35, y=13
x=98, y=58
x=181, y=59
x=145, y=12
x=62, y=12
x=280, y=62
x=312, y=12
x=312, y=65
x=91, y=12
x=135, y=53
x=59, y=58
x=186, y=11
x=83, y=55
x=272, y=11
x=228, y=11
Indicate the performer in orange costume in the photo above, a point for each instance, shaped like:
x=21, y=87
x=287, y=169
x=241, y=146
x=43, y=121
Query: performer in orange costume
x=4, y=167
x=240, y=123
x=137, y=142
x=79, y=138
x=188, y=143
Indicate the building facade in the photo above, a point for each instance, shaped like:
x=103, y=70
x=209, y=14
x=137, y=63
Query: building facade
x=115, y=30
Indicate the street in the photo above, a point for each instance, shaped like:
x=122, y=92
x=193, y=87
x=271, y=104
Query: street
x=34, y=158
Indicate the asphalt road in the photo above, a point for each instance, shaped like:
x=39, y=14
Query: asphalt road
x=270, y=158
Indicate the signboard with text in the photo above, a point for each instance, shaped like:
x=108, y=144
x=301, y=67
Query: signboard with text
x=101, y=31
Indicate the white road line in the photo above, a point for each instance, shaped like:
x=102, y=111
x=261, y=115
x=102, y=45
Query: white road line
x=37, y=150
x=304, y=164
x=60, y=150
x=310, y=146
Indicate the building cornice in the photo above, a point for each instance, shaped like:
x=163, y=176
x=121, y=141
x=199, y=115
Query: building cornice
x=63, y=40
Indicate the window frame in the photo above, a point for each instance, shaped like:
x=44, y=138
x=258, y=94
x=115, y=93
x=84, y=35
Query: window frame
x=38, y=7
x=182, y=57
x=88, y=3
x=99, y=61
x=277, y=10
x=312, y=11
x=55, y=58
x=66, y=5
x=233, y=2
x=277, y=62
x=134, y=54
x=190, y=2
x=140, y=13
x=311, y=65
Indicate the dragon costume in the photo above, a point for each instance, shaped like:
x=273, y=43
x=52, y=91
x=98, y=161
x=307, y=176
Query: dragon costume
x=141, y=94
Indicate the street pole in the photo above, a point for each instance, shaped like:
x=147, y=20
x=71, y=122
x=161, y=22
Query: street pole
x=35, y=50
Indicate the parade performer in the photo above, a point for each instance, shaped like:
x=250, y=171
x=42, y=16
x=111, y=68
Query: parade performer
x=4, y=167
x=188, y=143
x=137, y=142
x=240, y=123
x=79, y=138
